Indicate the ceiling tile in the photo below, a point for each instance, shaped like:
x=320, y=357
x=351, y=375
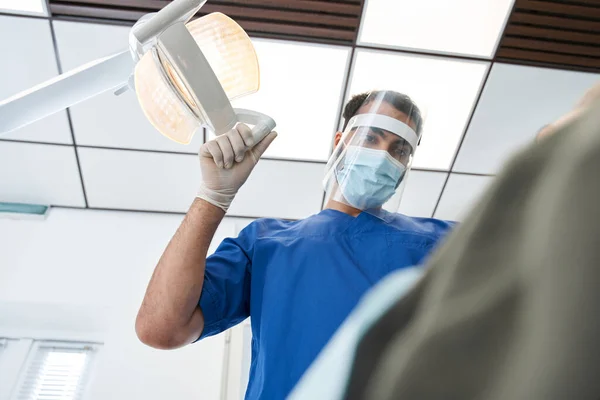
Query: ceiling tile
x=39, y=174
x=108, y=120
x=281, y=189
x=446, y=89
x=118, y=121
x=168, y=182
x=139, y=180
x=52, y=129
x=79, y=43
x=301, y=86
x=421, y=193
x=28, y=68
x=460, y=194
x=31, y=58
x=516, y=103
x=470, y=27
x=27, y=7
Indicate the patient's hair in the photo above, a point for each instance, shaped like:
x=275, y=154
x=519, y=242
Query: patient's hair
x=401, y=102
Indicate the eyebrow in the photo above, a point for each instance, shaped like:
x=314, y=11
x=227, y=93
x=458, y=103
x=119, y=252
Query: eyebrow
x=398, y=143
x=382, y=133
x=379, y=131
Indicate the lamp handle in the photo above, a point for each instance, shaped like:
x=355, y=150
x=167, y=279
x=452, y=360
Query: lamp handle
x=263, y=124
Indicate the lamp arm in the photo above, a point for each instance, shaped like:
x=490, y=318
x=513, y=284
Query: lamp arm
x=65, y=91
x=176, y=11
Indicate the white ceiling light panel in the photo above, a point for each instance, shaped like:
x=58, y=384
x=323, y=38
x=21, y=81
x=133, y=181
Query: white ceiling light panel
x=27, y=7
x=24, y=69
x=445, y=88
x=301, y=87
x=468, y=27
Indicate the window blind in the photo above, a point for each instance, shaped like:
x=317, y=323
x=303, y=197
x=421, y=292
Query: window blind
x=56, y=371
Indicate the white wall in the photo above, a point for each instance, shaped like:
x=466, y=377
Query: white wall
x=81, y=275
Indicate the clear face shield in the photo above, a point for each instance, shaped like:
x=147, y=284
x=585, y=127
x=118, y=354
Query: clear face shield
x=370, y=164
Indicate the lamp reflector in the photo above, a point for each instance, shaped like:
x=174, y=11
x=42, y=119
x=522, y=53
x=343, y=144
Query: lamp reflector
x=160, y=103
x=163, y=95
x=230, y=53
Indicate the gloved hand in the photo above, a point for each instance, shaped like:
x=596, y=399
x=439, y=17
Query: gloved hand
x=226, y=163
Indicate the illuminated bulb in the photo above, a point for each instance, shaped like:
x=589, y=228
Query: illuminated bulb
x=161, y=105
x=229, y=52
x=231, y=56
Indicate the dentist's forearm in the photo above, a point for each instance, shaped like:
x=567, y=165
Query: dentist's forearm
x=169, y=316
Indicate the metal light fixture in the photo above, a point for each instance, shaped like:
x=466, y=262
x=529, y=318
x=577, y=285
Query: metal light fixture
x=184, y=74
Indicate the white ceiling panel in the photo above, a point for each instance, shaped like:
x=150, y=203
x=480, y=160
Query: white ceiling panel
x=26, y=7
x=281, y=189
x=30, y=58
x=139, y=180
x=470, y=27
x=421, y=193
x=516, y=102
x=53, y=129
x=301, y=87
x=30, y=61
x=108, y=120
x=460, y=194
x=39, y=174
x=446, y=89
x=169, y=182
x=117, y=121
x=79, y=43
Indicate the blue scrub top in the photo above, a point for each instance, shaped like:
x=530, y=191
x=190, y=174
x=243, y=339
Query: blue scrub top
x=299, y=280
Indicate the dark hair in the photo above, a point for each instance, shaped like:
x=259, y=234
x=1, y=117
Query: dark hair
x=399, y=101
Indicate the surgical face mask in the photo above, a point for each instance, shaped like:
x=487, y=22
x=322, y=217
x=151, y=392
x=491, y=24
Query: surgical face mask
x=368, y=178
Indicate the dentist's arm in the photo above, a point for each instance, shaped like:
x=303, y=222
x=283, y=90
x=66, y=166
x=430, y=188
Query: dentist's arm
x=169, y=316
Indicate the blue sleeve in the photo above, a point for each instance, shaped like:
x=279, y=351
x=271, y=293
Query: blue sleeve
x=225, y=298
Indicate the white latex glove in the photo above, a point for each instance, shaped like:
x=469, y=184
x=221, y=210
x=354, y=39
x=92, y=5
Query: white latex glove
x=227, y=161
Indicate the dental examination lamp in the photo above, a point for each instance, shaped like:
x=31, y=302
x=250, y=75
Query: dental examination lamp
x=184, y=73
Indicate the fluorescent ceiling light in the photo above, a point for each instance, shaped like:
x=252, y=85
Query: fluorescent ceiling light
x=24, y=6
x=468, y=27
x=445, y=88
x=301, y=87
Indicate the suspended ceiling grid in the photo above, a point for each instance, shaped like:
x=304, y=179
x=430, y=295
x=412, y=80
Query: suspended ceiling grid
x=491, y=75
